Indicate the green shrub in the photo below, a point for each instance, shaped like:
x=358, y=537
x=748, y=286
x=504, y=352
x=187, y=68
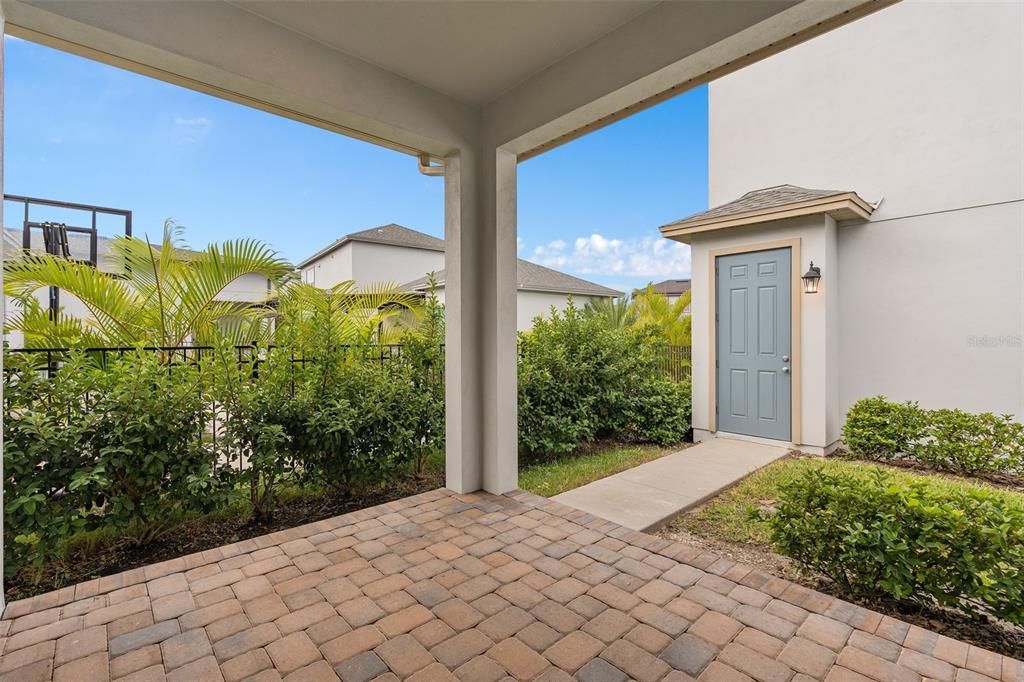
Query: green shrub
x=581, y=379
x=878, y=429
x=907, y=537
x=972, y=443
x=112, y=447
x=951, y=440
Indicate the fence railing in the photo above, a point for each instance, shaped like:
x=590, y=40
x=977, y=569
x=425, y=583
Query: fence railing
x=674, y=361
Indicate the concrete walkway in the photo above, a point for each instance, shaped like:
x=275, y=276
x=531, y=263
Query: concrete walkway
x=647, y=495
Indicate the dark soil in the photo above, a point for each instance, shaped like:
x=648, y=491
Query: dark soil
x=982, y=631
x=207, y=533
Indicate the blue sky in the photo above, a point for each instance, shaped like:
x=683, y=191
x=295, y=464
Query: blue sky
x=77, y=130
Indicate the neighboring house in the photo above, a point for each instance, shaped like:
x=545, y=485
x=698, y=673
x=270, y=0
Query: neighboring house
x=390, y=253
x=912, y=118
x=539, y=290
x=672, y=289
x=398, y=254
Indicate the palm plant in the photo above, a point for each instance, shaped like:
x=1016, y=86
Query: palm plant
x=346, y=314
x=615, y=313
x=650, y=307
x=160, y=296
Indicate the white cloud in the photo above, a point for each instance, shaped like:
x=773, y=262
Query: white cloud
x=194, y=122
x=649, y=256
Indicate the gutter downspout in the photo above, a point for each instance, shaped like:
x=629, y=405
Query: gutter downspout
x=427, y=169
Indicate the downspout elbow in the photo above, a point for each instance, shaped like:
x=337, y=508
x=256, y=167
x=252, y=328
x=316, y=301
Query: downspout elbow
x=427, y=169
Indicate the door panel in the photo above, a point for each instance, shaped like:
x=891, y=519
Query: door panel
x=753, y=299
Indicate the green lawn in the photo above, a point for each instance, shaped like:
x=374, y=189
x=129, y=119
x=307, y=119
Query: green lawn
x=572, y=471
x=730, y=517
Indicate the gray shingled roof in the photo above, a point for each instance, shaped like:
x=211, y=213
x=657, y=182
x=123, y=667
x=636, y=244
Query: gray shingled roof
x=395, y=235
x=761, y=199
x=533, y=277
x=670, y=287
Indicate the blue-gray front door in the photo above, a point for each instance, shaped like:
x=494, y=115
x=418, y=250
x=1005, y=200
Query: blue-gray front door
x=753, y=307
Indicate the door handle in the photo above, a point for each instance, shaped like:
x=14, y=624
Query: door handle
x=785, y=358
x=785, y=370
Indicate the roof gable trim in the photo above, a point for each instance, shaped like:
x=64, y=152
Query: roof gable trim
x=844, y=206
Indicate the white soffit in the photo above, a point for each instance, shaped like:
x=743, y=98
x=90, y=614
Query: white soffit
x=471, y=50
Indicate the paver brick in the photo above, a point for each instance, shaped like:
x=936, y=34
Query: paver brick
x=480, y=669
x=241, y=642
x=458, y=614
x=600, y=670
x=138, y=659
x=874, y=667
x=689, y=653
x=873, y=644
x=292, y=652
x=80, y=644
x=172, y=606
x=825, y=631
x=808, y=657
x=404, y=655
x=716, y=628
x=457, y=650
x=522, y=662
x=573, y=650
x=185, y=648
x=405, y=620
x=205, y=669
x=152, y=634
x=225, y=627
x=635, y=662
x=765, y=622
x=246, y=665
x=360, y=611
x=505, y=623
x=94, y=668
x=351, y=643
x=754, y=664
x=720, y=672
x=168, y=584
x=928, y=666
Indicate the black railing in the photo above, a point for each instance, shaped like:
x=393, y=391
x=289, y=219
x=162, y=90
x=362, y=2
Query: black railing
x=674, y=361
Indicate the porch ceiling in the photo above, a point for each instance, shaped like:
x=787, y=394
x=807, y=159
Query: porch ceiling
x=471, y=51
x=435, y=76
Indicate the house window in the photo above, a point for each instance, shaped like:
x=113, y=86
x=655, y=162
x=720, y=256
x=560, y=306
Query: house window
x=309, y=275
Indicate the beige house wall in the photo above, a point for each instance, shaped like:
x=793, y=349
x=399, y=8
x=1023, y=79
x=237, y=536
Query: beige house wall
x=921, y=106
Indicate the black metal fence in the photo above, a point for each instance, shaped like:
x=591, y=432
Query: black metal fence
x=674, y=361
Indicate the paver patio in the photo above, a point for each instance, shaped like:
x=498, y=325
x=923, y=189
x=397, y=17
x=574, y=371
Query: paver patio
x=472, y=587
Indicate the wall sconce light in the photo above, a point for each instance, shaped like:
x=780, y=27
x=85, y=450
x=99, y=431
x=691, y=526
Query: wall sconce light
x=811, y=279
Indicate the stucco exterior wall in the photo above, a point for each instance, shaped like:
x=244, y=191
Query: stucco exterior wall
x=373, y=263
x=248, y=288
x=921, y=104
x=332, y=268
x=530, y=304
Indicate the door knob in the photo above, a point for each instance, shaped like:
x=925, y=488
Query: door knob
x=785, y=370
x=785, y=358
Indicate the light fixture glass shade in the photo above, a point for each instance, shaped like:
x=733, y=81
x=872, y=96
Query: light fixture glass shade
x=811, y=279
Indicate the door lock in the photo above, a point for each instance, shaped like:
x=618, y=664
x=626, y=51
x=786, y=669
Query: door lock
x=785, y=358
x=785, y=370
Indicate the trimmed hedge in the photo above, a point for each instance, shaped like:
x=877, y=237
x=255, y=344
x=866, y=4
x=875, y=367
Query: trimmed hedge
x=950, y=440
x=911, y=538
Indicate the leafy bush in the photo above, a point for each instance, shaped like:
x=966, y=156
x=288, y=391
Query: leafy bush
x=581, y=379
x=951, y=440
x=878, y=429
x=972, y=443
x=93, y=447
x=909, y=538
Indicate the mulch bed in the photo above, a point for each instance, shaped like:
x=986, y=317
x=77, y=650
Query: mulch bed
x=982, y=631
x=207, y=533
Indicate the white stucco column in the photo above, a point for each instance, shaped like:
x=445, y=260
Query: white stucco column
x=480, y=310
